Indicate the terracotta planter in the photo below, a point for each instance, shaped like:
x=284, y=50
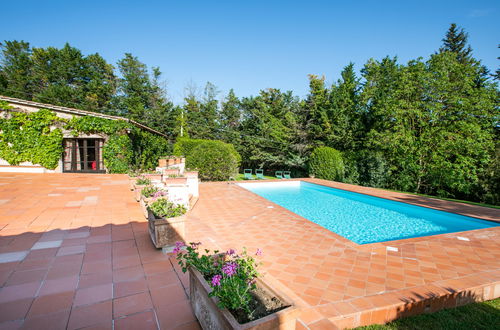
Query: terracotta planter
x=162, y=162
x=144, y=205
x=154, y=177
x=170, y=161
x=137, y=190
x=131, y=183
x=181, y=180
x=164, y=232
x=212, y=317
x=171, y=171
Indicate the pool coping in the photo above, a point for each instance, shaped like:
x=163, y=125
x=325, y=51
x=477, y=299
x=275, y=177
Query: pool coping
x=387, y=306
x=370, y=246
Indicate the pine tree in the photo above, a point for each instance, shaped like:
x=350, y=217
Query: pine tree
x=456, y=41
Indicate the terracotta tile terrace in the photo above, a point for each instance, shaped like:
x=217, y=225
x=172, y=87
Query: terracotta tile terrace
x=75, y=253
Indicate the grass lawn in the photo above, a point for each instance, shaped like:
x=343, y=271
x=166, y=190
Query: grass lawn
x=485, y=315
x=241, y=177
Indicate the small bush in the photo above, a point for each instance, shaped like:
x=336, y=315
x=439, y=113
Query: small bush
x=326, y=163
x=215, y=160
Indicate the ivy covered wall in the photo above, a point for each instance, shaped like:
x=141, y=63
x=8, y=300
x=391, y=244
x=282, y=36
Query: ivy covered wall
x=37, y=138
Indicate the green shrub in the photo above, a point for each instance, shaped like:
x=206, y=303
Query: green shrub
x=185, y=146
x=215, y=160
x=149, y=191
x=326, y=163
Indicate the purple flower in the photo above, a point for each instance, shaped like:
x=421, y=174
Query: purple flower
x=259, y=252
x=230, y=252
x=216, y=280
x=178, y=247
x=230, y=268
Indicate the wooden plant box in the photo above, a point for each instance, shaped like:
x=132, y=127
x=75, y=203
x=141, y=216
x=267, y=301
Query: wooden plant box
x=164, y=232
x=212, y=317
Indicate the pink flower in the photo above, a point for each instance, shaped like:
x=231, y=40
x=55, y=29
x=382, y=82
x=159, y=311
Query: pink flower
x=230, y=268
x=178, y=247
x=216, y=280
x=230, y=252
x=259, y=252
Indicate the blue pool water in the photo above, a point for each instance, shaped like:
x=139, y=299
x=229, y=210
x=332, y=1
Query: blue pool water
x=361, y=218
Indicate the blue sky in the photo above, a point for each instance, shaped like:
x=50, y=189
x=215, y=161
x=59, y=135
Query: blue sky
x=251, y=45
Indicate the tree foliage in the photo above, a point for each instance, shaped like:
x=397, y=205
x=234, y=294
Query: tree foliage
x=428, y=126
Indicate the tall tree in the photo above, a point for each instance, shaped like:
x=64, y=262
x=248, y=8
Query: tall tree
x=15, y=69
x=456, y=41
x=345, y=114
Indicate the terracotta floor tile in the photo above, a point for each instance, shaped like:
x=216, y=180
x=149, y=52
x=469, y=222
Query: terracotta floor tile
x=51, y=303
x=18, y=292
x=26, y=276
x=49, y=321
x=94, y=279
x=105, y=238
x=89, y=315
x=128, y=274
x=175, y=315
x=145, y=320
x=132, y=304
x=122, y=289
x=14, y=310
x=63, y=284
x=168, y=295
x=94, y=294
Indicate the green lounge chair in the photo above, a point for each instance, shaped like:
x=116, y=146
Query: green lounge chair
x=279, y=174
x=248, y=174
x=286, y=174
x=259, y=174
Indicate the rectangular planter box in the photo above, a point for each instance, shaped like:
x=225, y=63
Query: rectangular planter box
x=137, y=191
x=168, y=181
x=212, y=317
x=154, y=177
x=144, y=205
x=171, y=171
x=162, y=162
x=165, y=232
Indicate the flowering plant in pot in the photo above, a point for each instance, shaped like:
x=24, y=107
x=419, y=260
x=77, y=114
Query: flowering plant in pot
x=149, y=194
x=226, y=293
x=166, y=222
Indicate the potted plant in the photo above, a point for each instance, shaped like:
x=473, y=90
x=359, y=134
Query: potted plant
x=171, y=161
x=166, y=222
x=140, y=183
x=226, y=293
x=148, y=194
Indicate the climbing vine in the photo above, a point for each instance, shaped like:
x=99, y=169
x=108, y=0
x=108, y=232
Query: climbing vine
x=37, y=137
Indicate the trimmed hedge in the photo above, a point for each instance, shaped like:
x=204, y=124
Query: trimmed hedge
x=185, y=146
x=215, y=160
x=326, y=163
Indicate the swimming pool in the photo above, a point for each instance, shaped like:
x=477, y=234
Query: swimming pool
x=361, y=218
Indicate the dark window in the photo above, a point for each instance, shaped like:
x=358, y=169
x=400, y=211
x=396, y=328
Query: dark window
x=83, y=155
